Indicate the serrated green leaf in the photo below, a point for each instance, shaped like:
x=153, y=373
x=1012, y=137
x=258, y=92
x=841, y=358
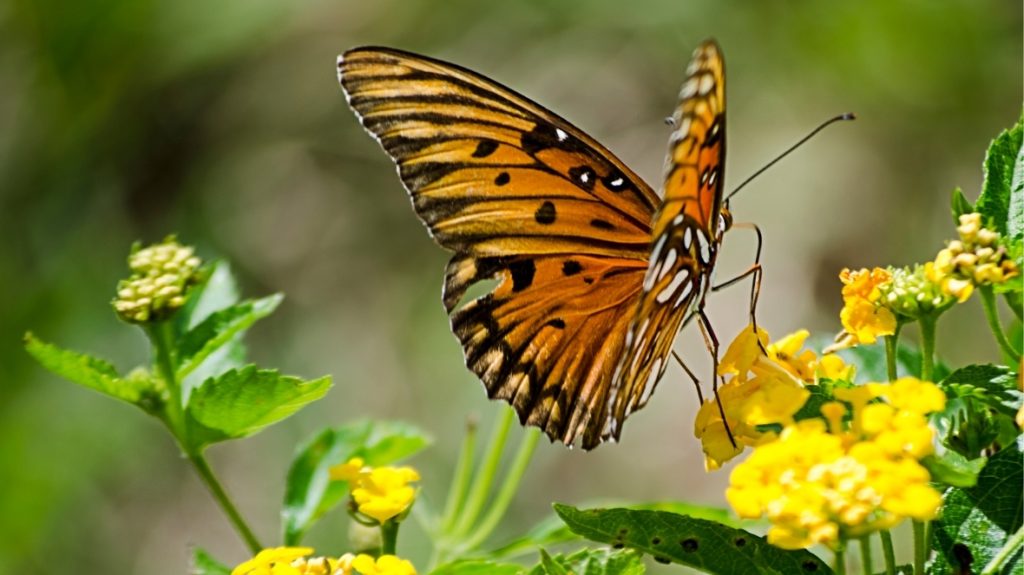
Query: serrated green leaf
x=241, y=402
x=217, y=290
x=1015, y=217
x=981, y=404
x=954, y=469
x=591, y=562
x=699, y=543
x=1000, y=163
x=960, y=206
x=218, y=329
x=310, y=493
x=478, y=567
x=204, y=564
x=980, y=519
x=85, y=370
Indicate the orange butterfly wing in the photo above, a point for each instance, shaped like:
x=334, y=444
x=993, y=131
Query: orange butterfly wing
x=687, y=234
x=522, y=196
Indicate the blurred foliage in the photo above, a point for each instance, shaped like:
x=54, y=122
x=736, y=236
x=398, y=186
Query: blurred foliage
x=129, y=119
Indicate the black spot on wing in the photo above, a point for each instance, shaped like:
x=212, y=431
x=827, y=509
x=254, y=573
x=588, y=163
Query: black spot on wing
x=616, y=181
x=571, y=267
x=558, y=323
x=602, y=224
x=545, y=214
x=522, y=274
x=485, y=148
x=502, y=179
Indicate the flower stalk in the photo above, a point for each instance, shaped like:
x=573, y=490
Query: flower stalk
x=888, y=552
x=988, y=302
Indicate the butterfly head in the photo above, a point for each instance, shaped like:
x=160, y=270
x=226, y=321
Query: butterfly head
x=724, y=220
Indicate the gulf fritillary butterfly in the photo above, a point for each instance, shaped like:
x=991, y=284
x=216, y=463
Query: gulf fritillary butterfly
x=596, y=274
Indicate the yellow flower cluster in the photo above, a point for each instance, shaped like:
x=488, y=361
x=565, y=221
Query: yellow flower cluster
x=161, y=276
x=382, y=492
x=864, y=316
x=760, y=390
x=824, y=482
x=975, y=259
x=295, y=561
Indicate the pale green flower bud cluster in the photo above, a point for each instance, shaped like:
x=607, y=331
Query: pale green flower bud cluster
x=912, y=293
x=978, y=258
x=161, y=277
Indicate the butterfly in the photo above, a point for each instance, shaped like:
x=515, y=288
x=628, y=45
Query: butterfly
x=596, y=274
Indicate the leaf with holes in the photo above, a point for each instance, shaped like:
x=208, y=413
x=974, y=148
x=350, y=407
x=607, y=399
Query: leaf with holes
x=705, y=545
x=591, y=562
x=977, y=522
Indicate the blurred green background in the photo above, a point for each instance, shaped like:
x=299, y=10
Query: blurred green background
x=222, y=121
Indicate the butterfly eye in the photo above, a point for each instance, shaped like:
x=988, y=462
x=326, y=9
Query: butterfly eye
x=724, y=220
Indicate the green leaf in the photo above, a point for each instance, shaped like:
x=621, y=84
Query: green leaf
x=981, y=404
x=960, y=206
x=552, y=531
x=1015, y=217
x=204, y=564
x=241, y=402
x=86, y=370
x=976, y=522
x=698, y=543
x=219, y=328
x=1000, y=162
x=954, y=469
x=478, y=567
x=217, y=290
x=591, y=562
x=310, y=493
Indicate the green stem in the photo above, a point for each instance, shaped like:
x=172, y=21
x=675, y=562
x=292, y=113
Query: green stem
x=162, y=338
x=206, y=474
x=485, y=475
x=388, y=537
x=839, y=564
x=920, y=547
x=888, y=552
x=865, y=554
x=927, y=347
x=1013, y=545
x=890, y=352
x=460, y=481
x=507, y=491
x=988, y=301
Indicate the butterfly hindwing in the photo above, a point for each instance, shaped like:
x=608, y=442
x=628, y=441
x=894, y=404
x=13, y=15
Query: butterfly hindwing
x=521, y=196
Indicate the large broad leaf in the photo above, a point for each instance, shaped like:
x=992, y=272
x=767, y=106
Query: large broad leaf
x=553, y=531
x=310, y=493
x=219, y=329
x=241, y=402
x=982, y=402
x=478, y=567
x=86, y=370
x=1015, y=216
x=705, y=545
x=976, y=522
x=591, y=562
x=1000, y=160
x=204, y=564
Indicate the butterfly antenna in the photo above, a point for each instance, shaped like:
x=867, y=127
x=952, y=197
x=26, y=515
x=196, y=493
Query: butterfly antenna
x=825, y=124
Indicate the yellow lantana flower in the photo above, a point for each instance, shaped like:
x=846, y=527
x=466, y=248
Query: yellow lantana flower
x=761, y=390
x=863, y=316
x=385, y=565
x=976, y=259
x=381, y=493
x=294, y=561
x=822, y=482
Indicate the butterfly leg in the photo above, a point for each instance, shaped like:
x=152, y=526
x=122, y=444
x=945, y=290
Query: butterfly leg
x=711, y=341
x=755, y=271
x=693, y=378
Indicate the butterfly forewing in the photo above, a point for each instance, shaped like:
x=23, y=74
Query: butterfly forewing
x=685, y=236
x=522, y=196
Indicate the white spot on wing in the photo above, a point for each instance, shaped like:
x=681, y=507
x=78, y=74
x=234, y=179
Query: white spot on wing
x=707, y=81
x=682, y=295
x=677, y=220
x=562, y=136
x=705, y=249
x=689, y=89
x=617, y=182
x=687, y=238
x=680, y=277
x=666, y=266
